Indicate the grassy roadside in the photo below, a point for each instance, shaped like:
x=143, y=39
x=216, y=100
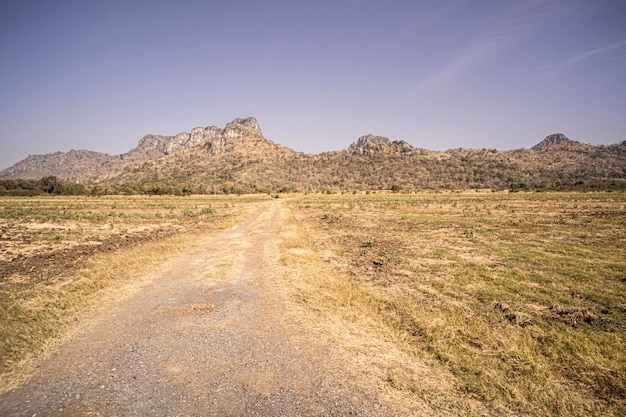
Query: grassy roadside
x=514, y=303
x=340, y=314
x=35, y=314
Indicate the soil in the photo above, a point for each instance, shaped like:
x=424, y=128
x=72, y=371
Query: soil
x=49, y=264
x=205, y=335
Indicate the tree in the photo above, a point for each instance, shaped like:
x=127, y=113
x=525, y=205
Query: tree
x=50, y=185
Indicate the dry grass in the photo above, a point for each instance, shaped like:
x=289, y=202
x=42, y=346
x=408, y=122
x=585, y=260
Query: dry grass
x=38, y=309
x=515, y=301
x=340, y=314
x=36, y=225
x=444, y=303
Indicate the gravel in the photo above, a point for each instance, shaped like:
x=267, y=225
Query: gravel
x=195, y=340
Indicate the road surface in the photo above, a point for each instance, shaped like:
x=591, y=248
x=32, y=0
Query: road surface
x=206, y=335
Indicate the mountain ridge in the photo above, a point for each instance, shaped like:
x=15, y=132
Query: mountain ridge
x=237, y=158
x=151, y=146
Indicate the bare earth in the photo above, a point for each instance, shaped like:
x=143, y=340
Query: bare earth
x=206, y=335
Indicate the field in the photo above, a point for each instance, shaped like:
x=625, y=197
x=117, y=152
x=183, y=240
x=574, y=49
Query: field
x=517, y=299
x=472, y=303
x=60, y=257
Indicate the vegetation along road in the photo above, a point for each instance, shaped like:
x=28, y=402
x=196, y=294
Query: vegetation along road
x=424, y=304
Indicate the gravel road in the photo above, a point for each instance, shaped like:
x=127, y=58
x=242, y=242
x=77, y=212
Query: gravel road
x=204, y=336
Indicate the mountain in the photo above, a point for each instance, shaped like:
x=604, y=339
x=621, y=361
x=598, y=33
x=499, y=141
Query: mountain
x=237, y=154
x=371, y=143
x=92, y=167
x=73, y=165
x=553, y=140
x=237, y=158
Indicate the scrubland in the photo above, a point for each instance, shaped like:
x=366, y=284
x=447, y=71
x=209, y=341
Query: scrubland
x=472, y=303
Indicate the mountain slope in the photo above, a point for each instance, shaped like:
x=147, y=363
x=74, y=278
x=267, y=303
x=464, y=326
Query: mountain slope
x=75, y=165
x=217, y=165
x=238, y=158
x=252, y=164
x=92, y=167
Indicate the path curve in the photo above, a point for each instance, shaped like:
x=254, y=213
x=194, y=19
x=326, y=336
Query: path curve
x=204, y=337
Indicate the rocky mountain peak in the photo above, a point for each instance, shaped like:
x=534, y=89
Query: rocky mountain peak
x=551, y=140
x=215, y=137
x=249, y=123
x=373, y=143
x=370, y=141
x=236, y=129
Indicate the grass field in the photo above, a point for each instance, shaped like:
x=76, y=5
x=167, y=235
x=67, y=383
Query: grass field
x=61, y=257
x=520, y=299
x=473, y=303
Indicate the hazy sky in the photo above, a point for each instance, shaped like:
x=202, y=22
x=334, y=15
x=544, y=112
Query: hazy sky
x=101, y=74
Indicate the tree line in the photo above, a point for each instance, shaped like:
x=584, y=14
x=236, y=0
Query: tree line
x=52, y=185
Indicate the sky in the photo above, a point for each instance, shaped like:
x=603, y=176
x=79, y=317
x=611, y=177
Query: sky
x=101, y=74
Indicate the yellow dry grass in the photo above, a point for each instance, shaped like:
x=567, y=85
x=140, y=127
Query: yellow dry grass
x=444, y=303
x=36, y=314
x=473, y=303
x=340, y=315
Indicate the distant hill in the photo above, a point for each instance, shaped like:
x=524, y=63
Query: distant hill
x=237, y=158
x=85, y=166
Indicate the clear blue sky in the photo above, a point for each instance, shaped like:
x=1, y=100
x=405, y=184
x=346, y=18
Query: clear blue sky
x=101, y=74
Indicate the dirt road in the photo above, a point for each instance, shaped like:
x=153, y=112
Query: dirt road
x=203, y=336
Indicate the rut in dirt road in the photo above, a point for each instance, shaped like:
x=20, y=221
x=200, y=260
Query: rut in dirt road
x=203, y=337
